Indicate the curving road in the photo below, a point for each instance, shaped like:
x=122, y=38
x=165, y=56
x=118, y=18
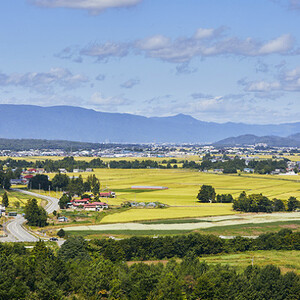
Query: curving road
x=15, y=230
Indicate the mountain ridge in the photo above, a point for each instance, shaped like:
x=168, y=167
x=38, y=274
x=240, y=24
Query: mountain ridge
x=87, y=125
x=270, y=140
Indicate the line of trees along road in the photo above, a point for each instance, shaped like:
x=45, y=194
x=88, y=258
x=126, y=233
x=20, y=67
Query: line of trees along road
x=78, y=270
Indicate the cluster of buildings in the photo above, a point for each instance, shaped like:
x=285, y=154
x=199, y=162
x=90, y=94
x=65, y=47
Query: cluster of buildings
x=86, y=204
x=26, y=176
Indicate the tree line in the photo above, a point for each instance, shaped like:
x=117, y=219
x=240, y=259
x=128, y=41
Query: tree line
x=73, y=186
x=247, y=203
x=232, y=166
x=228, y=166
x=148, y=248
x=79, y=270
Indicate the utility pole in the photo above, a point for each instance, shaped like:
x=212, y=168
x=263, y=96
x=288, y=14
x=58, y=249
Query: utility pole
x=39, y=188
x=49, y=190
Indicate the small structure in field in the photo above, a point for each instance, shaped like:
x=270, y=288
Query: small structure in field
x=107, y=194
x=147, y=187
x=95, y=206
x=62, y=219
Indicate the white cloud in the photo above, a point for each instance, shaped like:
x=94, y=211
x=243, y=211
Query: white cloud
x=281, y=44
x=104, y=51
x=204, y=43
x=153, y=43
x=93, y=6
x=44, y=81
x=263, y=86
x=206, y=33
x=130, y=83
x=287, y=80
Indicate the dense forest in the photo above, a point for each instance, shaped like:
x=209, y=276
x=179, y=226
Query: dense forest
x=85, y=270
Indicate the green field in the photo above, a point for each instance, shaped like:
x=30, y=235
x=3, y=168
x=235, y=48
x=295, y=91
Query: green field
x=16, y=197
x=141, y=214
x=183, y=186
x=286, y=260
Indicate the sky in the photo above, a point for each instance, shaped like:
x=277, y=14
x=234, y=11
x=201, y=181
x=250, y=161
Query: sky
x=216, y=60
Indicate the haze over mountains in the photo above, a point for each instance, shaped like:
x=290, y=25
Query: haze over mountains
x=87, y=125
x=250, y=139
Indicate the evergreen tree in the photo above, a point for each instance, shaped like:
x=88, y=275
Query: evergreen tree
x=61, y=233
x=292, y=204
x=5, y=201
x=34, y=214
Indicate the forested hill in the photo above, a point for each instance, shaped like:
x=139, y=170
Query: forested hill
x=87, y=125
x=273, y=141
x=35, y=144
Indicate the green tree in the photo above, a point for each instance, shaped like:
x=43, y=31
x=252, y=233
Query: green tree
x=75, y=186
x=61, y=233
x=6, y=183
x=206, y=194
x=5, y=200
x=40, y=250
x=94, y=184
x=39, y=181
x=278, y=205
x=169, y=288
x=60, y=181
x=96, y=189
x=64, y=200
x=292, y=204
x=34, y=214
x=74, y=248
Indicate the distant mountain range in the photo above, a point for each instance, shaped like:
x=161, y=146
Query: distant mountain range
x=250, y=139
x=87, y=125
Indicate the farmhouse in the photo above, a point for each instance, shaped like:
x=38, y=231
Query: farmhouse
x=107, y=194
x=79, y=202
x=19, y=181
x=95, y=206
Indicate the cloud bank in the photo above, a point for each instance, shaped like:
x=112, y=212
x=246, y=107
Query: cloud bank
x=93, y=6
x=205, y=42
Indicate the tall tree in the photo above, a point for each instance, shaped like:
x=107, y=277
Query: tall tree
x=292, y=204
x=60, y=181
x=34, y=214
x=5, y=200
x=206, y=194
x=39, y=181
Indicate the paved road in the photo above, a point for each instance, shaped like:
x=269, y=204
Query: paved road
x=52, y=202
x=15, y=230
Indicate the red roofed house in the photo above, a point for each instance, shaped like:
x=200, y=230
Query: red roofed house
x=79, y=202
x=95, y=206
x=107, y=194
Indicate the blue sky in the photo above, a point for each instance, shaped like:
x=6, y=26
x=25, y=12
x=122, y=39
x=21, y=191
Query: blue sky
x=217, y=60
